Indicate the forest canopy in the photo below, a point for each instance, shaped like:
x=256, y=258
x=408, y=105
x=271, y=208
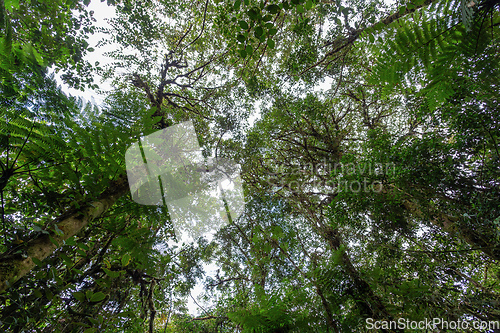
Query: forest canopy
x=367, y=135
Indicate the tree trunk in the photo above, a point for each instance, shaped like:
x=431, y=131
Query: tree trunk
x=483, y=240
x=14, y=267
x=369, y=303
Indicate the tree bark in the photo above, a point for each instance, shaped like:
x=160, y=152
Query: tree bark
x=14, y=267
x=369, y=303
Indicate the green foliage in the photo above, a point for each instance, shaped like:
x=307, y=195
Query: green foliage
x=419, y=49
x=269, y=315
x=370, y=170
x=45, y=33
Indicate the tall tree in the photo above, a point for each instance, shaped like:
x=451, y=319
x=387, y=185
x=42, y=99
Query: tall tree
x=373, y=196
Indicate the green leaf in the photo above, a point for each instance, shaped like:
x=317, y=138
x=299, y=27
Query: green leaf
x=243, y=53
x=372, y=38
x=309, y=4
x=97, y=297
x=273, y=9
x=8, y=37
x=243, y=25
x=300, y=9
x=111, y=274
x=253, y=14
x=277, y=231
x=241, y=38
x=249, y=49
x=83, y=246
x=237, y=5
x=77, y=271
x=70, y=241
x=66, y=259
x=79, y=296
x=126, y=259
x=53, y=241
x=258, y=32
x=271, y=43
x=10, y=5
x=93, y=321
x=273, y=31
x=37, y=228
x=37, y=262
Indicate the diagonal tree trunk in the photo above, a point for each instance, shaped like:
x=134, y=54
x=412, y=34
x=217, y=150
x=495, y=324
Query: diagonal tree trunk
x=482, y=240
x=369, y=303
x=343, y=42
x=14, y=267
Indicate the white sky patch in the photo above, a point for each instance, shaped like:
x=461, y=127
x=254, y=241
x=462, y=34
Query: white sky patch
x=101, y=12
x=256, y=114
x=324, y=86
